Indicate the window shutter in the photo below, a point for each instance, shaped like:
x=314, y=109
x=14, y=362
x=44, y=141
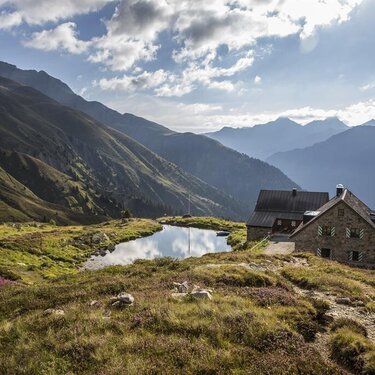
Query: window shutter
x=333, y=231
x=360, y=257
x=361, y=233
x=347, y=232
x=320, y=231
x=318, y=252
x=350, y=256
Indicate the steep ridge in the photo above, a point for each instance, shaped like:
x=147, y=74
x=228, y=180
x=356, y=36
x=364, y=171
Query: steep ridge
x=107, y=162
x=232, y=172
x=346, y=158
x=283, y=134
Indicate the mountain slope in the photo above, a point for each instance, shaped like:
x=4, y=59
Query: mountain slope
x=346, y=158
x=262, y=141
x=18, y=203
x=235, y=174
x=110, y=164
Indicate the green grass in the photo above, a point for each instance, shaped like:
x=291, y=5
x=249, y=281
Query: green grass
x=353, y=350
x=233, y=333
x=33, y=252
x=256, y=322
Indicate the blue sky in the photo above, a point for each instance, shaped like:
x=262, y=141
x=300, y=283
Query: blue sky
x=198, y=66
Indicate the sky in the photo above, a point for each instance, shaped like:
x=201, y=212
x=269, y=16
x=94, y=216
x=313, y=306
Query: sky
x=201, y=65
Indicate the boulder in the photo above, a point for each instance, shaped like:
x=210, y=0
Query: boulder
x=122, y=300
x=343, y=301
x=99, y=238
x=181, y=287
x=201, y=294
x=57, y=312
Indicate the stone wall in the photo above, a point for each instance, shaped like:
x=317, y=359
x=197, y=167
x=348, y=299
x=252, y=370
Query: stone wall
x=340, y=246
x=257, y=233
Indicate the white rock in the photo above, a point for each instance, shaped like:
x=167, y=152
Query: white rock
x=58, y=312
x=181, y=287
x=125, y=298
x=201, y=294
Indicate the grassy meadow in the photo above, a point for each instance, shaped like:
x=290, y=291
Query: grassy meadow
x=267, y=314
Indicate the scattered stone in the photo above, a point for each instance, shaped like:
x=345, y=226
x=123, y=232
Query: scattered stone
x=122, y=300
x=343, y=301
x=107, y=314
x=99, y=237
x=111, y=248
x=94, y=303
x=181, y=287
x=57, y=312
x=201, y=294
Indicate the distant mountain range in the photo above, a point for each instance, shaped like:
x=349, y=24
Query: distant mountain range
x=162, y=172
x=346, y=158
x=262, y=141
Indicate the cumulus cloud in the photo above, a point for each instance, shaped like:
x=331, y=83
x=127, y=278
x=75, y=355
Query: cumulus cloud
x=63, y=37
x=145, y=80
x=9, y=20
x=196, y=30
x=37, y=12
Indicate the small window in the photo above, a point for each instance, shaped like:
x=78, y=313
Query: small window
x=326, y=230
x=294, y=223
x=355, y=256
x=326, y=253
x=355, y=233
x=279, y=222
x=341, y=212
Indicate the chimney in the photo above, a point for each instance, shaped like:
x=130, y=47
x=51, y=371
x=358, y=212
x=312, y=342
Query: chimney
x=294, y=192
x=339, y=190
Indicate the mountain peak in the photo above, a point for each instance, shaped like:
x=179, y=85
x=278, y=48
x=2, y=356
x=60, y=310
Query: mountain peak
x=328, y=123
x=369, y=123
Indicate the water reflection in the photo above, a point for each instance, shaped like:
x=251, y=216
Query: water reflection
x=171, y=241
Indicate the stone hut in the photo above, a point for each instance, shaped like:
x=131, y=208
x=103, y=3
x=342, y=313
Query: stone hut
x=281, y=212
x=343, y=229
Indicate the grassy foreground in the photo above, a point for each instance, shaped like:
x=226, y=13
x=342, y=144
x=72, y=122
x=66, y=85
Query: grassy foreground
x=268, y=315
x=35, y=252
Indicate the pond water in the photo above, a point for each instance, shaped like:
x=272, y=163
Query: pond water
x=176, y=242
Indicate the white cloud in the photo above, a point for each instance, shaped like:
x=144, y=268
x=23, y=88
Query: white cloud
x=367, y=87
x=9, y=20
x=145, y=80
x=37, y=12
x=257, y=80
x=63, y=37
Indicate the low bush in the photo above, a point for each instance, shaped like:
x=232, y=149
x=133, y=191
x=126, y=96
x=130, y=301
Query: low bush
x=353, y=351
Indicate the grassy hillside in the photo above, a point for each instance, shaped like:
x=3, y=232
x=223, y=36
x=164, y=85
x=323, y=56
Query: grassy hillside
x=115, y=170
x=268, y=315
x=223, y=168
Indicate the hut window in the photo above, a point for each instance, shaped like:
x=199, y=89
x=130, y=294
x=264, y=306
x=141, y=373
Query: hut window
x=355, y=256
x=341, y=212
x=293, y=223
x=355, y=233
x=326, y=253
x=326, y=231
x=279, y=222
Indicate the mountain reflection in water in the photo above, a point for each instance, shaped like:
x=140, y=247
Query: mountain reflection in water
x=172, y=241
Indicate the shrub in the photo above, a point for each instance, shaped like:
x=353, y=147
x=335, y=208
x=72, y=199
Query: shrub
x=350, y=324
x=353, y=351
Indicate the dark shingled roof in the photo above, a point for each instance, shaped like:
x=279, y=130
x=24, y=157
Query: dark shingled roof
x=351, y=200
x=280, y=204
